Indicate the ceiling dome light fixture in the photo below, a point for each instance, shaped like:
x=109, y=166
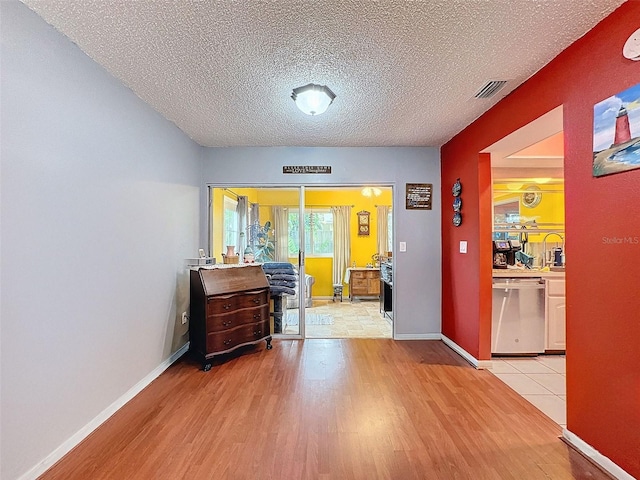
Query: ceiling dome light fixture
x=313, y=99
x=371, y=192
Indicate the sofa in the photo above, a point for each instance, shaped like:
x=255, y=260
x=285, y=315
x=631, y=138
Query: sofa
x=293, y=300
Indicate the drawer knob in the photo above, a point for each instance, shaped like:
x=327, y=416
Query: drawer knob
x=256, y=301
x=256, y=315
x=226, y=324
x=226, y=306
x=227, y=342
x=259, y=332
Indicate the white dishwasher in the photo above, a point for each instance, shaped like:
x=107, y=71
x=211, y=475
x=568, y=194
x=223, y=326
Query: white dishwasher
x=518, y=318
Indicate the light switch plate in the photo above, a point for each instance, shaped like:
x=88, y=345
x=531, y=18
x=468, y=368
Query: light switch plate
x=403, y=246
x=463, y=246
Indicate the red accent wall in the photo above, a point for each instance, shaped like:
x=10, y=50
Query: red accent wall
x=602, y=225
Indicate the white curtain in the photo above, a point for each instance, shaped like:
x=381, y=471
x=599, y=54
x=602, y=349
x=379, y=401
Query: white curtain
x=341, y=242
x=253, y=225
x=281, y=234
x=254, y=214
x=242, y=210
x=383, y=229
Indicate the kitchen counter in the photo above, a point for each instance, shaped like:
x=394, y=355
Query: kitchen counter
x=525, y=273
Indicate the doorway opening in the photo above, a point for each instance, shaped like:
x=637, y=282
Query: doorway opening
x=340, y=264
x=528, y=329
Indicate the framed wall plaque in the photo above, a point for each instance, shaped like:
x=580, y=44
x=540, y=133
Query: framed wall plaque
x=419, y=196
x=306, y=169
x=363, y=223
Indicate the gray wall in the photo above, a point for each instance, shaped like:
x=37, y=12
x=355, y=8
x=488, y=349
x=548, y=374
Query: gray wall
x=417, y=273
x=99, y=207
x=101, y=200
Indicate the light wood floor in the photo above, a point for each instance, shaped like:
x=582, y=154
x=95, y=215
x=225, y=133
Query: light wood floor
x=328, y=409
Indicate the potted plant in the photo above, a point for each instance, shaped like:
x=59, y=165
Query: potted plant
x=261, y=242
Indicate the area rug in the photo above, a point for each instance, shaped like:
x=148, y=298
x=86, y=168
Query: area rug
x=310, y=319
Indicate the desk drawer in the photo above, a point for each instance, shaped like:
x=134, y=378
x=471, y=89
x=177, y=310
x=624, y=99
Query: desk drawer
x=224, y=341
x=228, y=303
x=217, y=323
x=359, y=283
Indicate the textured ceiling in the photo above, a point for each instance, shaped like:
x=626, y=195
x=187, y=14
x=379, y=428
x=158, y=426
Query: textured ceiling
x=404, y=72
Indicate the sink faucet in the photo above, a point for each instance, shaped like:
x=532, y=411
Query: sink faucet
x=544, y=247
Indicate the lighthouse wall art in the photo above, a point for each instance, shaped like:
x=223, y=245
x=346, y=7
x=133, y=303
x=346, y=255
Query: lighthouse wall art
x=616, y=133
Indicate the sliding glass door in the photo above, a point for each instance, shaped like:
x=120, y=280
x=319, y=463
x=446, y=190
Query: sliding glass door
x=344, y=236
x=261, y=224
x=309, y=239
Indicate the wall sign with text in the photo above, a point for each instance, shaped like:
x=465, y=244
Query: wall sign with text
x=419, y=196
x=306, y=169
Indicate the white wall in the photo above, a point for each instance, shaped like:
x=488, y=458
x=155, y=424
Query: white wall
x=99, y=207
x=417, y=273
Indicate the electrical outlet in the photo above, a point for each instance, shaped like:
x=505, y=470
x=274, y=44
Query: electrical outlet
x=185, y=317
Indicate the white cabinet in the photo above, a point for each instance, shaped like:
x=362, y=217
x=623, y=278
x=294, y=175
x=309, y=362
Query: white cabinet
x=556, y=306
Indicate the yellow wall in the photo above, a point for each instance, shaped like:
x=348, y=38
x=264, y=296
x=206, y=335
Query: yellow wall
x=362, y=247
x=549, y=210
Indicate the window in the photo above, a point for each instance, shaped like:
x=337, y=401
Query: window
x=505, y=212
x=230, y=226
x=318, y=232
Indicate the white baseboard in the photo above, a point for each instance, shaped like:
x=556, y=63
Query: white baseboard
x=103, y=416
x=416, y=336
x=479, y=364
x=595, y=456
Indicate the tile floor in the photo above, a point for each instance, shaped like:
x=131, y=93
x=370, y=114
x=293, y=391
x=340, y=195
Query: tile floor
x=357, y=319
x=541, y=380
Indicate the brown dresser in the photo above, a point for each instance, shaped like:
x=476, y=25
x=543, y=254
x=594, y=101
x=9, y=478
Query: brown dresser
x=229, y=309
x=364, y=282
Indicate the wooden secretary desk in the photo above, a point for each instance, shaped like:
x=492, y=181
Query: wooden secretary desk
x=229, y=309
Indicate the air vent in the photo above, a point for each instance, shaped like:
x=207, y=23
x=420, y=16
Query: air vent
x=490, y=88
